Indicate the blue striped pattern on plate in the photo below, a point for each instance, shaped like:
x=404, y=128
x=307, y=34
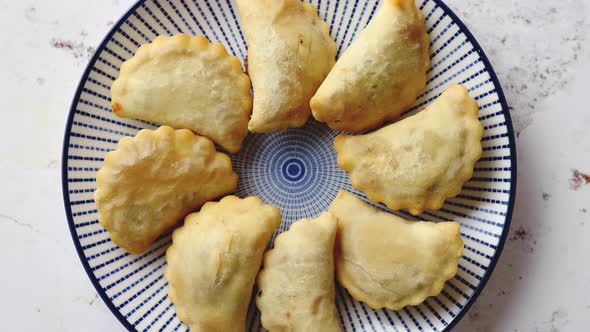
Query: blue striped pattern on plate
x=295, y=170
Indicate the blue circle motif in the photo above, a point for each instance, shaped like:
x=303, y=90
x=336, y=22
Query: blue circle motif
x=295, y=170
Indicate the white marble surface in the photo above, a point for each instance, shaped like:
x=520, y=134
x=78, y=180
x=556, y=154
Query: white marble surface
x=539, y=49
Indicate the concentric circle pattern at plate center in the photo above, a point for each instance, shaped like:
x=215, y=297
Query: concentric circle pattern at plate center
x=295, y=170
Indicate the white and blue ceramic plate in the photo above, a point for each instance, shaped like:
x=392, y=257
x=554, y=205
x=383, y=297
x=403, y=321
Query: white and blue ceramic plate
x=295, y=170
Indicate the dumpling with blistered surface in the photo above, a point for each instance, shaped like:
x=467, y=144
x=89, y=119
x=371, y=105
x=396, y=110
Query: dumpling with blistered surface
x=186, y=82
x=214, y=259
x=389, y=262
x=380, y=74
x=296, y=286
x=418, y=162
x=290, y=52
x=153, y=180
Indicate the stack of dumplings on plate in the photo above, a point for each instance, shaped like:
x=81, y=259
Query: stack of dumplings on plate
x=201, y=96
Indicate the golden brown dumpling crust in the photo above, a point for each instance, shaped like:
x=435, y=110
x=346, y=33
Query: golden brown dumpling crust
x=153, y=180
x=214, y=259
x=380, y=74
x=418, y=162
x=389, y=262
x=290, y=52
x=296, y=285
x=186, y=82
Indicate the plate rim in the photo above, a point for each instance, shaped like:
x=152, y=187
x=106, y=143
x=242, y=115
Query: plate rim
x=487, y=66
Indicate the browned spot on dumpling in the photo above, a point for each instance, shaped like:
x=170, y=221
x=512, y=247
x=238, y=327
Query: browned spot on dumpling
x=117, y=108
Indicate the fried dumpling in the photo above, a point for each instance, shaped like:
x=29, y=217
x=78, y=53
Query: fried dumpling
x=389, y=262
x=186, y=82
x=290, y=52
x=214, y=259
x=380, y=74
x=153, y=180
x=296, y=286
x=418, y=162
